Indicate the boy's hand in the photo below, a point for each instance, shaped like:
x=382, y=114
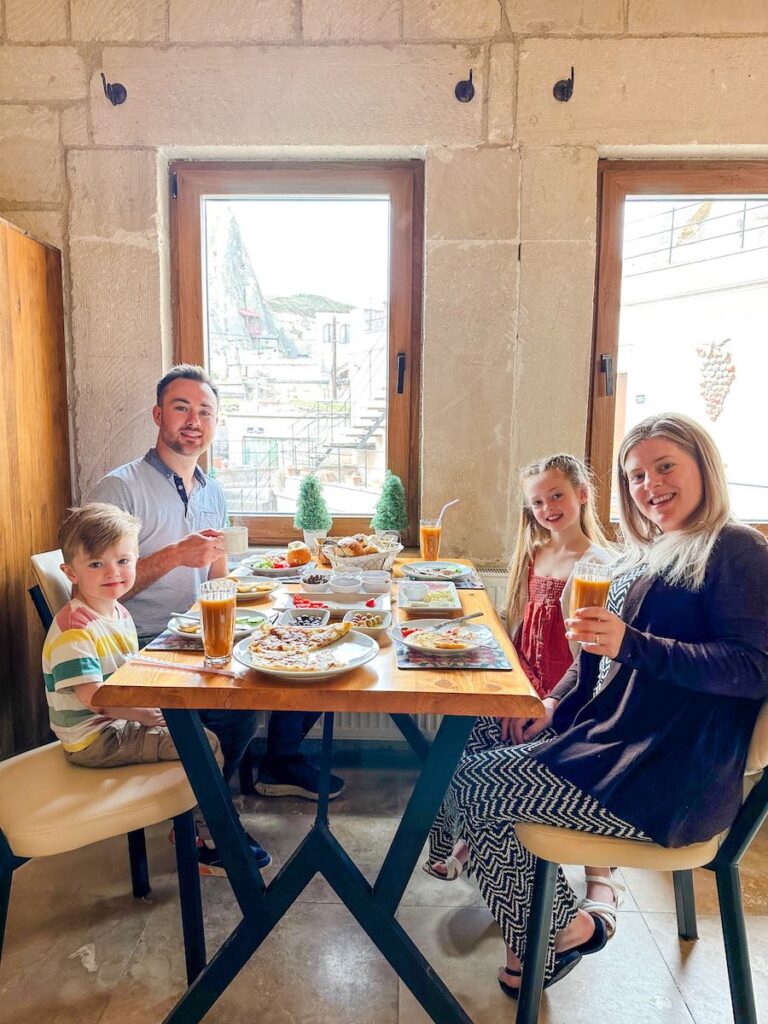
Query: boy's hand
x=150, y=717
x=199, y=550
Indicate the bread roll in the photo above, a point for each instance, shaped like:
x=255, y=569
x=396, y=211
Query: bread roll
x=350, y=546
x=298, y=553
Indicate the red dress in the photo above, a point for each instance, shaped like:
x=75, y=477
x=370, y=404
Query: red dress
x=544, y=652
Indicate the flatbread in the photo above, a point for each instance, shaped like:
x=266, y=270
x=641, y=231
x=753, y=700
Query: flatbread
x=297, y=639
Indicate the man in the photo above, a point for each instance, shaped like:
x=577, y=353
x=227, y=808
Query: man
x=182, y=512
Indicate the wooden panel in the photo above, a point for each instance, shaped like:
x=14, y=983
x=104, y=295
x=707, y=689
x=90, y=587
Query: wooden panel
x=34, y=468
x=379, y=686
x=403, y=182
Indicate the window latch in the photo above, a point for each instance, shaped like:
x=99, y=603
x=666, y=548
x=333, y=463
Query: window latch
x=400, y=372
x=606, y=367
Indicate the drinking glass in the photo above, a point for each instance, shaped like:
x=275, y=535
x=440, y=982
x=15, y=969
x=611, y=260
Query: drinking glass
x=218, y=611
x=591, y=582
x=429, y=539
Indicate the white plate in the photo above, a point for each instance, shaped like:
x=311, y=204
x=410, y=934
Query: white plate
x=338, y=604
x=436, y=571
x=407, y=600
x=482, y=634
x=241, y=628
x=251, y=562
x=256, y=595
x=355, y=649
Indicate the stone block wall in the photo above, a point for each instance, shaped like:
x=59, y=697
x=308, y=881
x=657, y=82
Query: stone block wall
x=510, y=179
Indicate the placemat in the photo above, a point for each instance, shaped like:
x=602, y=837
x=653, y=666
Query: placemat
x=491, y=658
x=168, y=641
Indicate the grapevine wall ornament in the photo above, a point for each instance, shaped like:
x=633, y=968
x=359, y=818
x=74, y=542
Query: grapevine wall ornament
x=717, y=376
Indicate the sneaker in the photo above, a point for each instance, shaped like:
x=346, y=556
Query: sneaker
x=210, y=862
x=294, y=776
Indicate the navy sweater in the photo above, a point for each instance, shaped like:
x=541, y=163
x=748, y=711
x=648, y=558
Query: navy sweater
x=664, y=743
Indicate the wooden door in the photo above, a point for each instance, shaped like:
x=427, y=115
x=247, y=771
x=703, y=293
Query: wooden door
x=34, y=468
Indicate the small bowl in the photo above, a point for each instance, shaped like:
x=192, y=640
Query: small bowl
x=343, y=583
x=379, y=633
x=315, y=588
x=375, y=584
x=290, y=615
x=414, y=591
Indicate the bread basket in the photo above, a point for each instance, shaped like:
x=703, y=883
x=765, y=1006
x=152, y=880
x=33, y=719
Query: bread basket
x=379, y=560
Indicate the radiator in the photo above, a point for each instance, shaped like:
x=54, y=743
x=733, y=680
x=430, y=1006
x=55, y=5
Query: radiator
x=352, y=725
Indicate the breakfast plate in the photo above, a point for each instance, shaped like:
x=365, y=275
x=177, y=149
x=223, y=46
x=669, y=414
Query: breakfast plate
x=351, y=651
x=254, y=588
x=436, y=571
x=414, y=595
x=420, y=635
x=244, y=625
x=274, y=563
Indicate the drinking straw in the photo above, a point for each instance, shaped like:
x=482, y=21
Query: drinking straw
x=446, y=506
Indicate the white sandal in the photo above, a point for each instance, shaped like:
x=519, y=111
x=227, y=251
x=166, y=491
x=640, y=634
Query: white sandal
x=606, y=911
x=453, y=869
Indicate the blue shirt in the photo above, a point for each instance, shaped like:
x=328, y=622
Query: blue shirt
x=152, y=492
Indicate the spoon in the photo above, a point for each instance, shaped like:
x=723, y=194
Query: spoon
x=443, y=509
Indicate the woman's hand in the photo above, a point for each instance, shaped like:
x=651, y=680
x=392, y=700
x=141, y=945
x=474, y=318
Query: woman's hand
x=598, y=630
x=520, y=730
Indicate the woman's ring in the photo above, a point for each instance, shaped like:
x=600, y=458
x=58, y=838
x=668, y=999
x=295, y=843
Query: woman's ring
x=597, y=638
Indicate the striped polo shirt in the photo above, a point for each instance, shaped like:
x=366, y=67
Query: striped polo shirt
x=82, y=647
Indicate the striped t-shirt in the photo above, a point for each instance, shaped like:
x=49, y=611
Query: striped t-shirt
x=82, y=647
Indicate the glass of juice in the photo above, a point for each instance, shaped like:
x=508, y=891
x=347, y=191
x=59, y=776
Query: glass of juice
x=429, y=539
x=591, y=581
x=218, y=611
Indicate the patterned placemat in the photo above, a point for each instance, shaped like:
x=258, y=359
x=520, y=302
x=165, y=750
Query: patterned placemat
x=491, y=658
x=168, y=641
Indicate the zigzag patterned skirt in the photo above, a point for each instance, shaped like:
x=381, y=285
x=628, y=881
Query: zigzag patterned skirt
x=495, y=786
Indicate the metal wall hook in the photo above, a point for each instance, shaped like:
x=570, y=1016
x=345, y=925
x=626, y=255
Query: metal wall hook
x=465, y=90
x=563, y=90
x=114, y=91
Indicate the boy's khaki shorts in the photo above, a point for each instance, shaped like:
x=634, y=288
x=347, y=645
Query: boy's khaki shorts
x=123, y=743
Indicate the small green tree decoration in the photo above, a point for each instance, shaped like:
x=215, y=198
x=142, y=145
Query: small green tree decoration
x=312, y=512
x=391, y=508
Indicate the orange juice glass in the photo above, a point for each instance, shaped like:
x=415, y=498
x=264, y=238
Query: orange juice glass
x=591, y=582
x=218, y=611
x=429, y=539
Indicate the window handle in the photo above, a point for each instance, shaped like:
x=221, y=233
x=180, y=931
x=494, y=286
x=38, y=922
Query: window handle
x=606, y=367
x=400, y=372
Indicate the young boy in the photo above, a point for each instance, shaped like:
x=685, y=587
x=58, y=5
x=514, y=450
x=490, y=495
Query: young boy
x=89, y=639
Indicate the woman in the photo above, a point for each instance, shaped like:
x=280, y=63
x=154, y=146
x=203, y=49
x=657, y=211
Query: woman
x=646, y=736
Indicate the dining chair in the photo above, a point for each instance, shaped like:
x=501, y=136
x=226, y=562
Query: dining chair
x=53, y=589
x=50, y=806
x=553, y=845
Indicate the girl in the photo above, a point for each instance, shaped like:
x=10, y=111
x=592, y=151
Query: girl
x=557, y=527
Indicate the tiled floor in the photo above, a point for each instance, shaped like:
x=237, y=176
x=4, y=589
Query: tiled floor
x=80, y=949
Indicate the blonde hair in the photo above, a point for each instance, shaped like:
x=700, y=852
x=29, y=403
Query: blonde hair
x=680, y=557
x=532, y=535
x=95, y=527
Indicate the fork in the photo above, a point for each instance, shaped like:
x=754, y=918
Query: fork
x=453, y=622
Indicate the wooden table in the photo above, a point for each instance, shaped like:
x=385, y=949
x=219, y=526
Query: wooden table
x=460, y=696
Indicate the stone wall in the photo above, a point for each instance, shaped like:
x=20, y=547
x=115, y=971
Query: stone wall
x=510, y=220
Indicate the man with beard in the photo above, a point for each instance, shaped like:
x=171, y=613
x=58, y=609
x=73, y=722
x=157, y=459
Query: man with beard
x=182, y=512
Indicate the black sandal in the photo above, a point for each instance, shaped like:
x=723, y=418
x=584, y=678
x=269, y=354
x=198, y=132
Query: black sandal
x=564, y=964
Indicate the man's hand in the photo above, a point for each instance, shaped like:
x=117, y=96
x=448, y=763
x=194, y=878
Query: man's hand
x=199, y=550
x=520, y=730
x=598, y=630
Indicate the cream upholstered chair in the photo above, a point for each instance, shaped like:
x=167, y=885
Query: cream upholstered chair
x=53, y=587
x=552, y=845
x=49, y=806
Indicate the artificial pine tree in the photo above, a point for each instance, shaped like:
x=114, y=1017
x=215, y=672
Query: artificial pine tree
x=391, y=508
x=312, y=513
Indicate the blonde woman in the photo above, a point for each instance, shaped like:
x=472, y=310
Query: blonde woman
x=646, y=735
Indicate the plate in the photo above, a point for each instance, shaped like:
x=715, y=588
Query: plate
x=338, y=604
x=270, y=586
x=355, y=649
x=436, y=571
x=292, y=570
x=241, y=627
x=413, y=596
x=482, y=635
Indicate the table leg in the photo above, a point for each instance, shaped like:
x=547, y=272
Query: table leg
x=320, y=852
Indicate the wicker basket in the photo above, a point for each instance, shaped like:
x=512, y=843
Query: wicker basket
x=379, y=560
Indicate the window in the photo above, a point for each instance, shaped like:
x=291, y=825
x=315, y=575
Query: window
x=682, y=314
x=299, y=287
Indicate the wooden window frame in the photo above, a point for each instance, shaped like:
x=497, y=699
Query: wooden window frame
x=616, y=180
x=403, y=182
